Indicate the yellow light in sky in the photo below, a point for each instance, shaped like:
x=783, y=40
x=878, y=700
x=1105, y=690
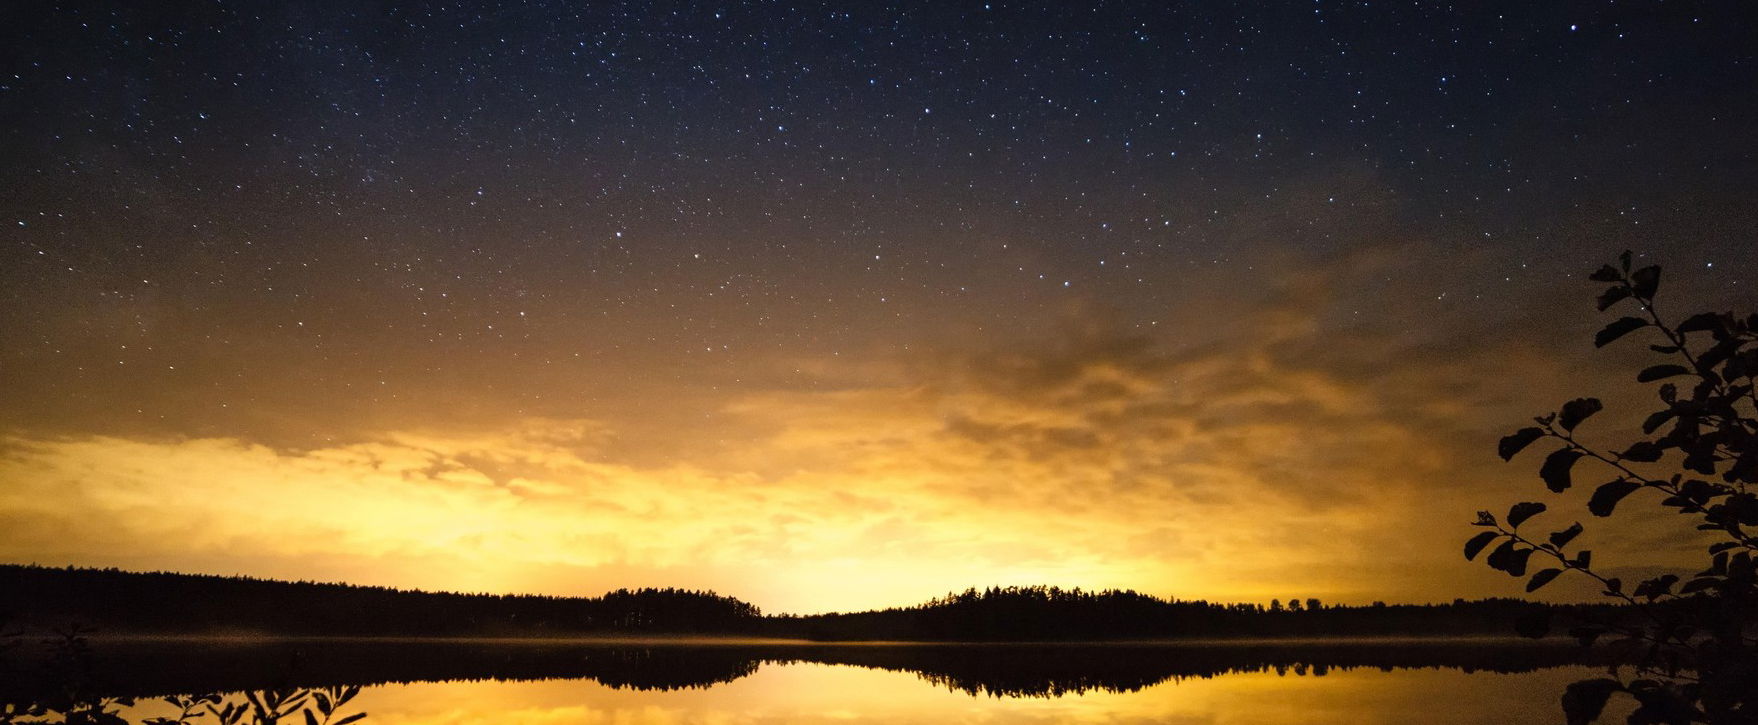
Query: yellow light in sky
x=1105, y=465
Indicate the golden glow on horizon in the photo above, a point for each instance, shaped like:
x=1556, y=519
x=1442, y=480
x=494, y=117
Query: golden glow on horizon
x=1102, y=463
x=1251, y=461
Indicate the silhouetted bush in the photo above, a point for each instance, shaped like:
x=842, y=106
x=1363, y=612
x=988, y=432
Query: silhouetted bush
x=1699, y=455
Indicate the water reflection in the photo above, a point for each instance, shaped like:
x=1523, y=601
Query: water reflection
x=814, y=694
x=524, y=681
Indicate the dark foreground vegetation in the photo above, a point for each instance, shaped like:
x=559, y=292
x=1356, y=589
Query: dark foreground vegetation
x=113, y=602
x=1696, y=459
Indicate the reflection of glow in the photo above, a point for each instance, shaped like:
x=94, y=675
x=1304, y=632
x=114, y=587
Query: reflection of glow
x=815, y=693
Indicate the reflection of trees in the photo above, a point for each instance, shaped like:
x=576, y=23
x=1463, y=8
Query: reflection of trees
x=1056, y=670
x=319, y=706
x=64, y=686
x=147, y=668
x=150, y=669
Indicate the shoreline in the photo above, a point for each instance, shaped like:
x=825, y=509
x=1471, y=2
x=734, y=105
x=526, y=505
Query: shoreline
x=733, y=641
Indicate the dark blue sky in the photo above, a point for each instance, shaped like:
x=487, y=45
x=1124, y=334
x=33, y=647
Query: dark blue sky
x=809, y=178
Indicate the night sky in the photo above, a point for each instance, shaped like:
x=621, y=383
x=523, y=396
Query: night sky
x=838, y=306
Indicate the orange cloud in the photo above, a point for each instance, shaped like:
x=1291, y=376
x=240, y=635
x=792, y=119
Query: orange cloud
x=1284, y=455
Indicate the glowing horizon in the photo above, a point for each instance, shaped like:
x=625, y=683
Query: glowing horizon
x=1104, y=460
x=841, y=309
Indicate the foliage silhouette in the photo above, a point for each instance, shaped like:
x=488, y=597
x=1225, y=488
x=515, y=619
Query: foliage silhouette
x=64, y=686
x=1699, y=452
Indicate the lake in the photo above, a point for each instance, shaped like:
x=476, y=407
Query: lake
x=503, y=681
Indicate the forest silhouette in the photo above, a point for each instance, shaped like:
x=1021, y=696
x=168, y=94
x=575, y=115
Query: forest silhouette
x=117, y=602
x=86, y=644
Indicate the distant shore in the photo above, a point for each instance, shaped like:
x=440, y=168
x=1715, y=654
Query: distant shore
x=111, y=603
x=737, y=641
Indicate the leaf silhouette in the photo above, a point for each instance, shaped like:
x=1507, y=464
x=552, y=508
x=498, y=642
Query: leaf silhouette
x=1555, y=471
x=1517, y=561
x=1498, y=559
x=1656, y=420
x=1562, y=538
x=1618, y=328
x=1477, y=543
x=1658, y=372
x=1646, y=281
x=1523, y=511
x=1642, y=452
x=1606, y=497
x=1612, y=296
x=1578, y=410
x=1583, y=701
x=1701, y=322
x=1513, y=443
x=1541, y=578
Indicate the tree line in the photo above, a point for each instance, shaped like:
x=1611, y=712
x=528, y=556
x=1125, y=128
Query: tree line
x=116, y=601
x=1056, y=614
x=162, y=602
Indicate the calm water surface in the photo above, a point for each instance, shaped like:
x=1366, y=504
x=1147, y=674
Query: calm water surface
x=817, y=693
x=1217, y=684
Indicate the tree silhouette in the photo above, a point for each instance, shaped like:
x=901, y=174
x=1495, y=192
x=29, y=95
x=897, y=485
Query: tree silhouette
x=165, y=604
x=1699, y=453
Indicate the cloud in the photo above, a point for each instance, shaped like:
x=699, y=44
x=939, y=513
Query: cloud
x=1295, y=451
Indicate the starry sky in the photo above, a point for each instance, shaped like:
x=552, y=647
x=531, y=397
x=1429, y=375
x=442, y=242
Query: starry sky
x=832, y=306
